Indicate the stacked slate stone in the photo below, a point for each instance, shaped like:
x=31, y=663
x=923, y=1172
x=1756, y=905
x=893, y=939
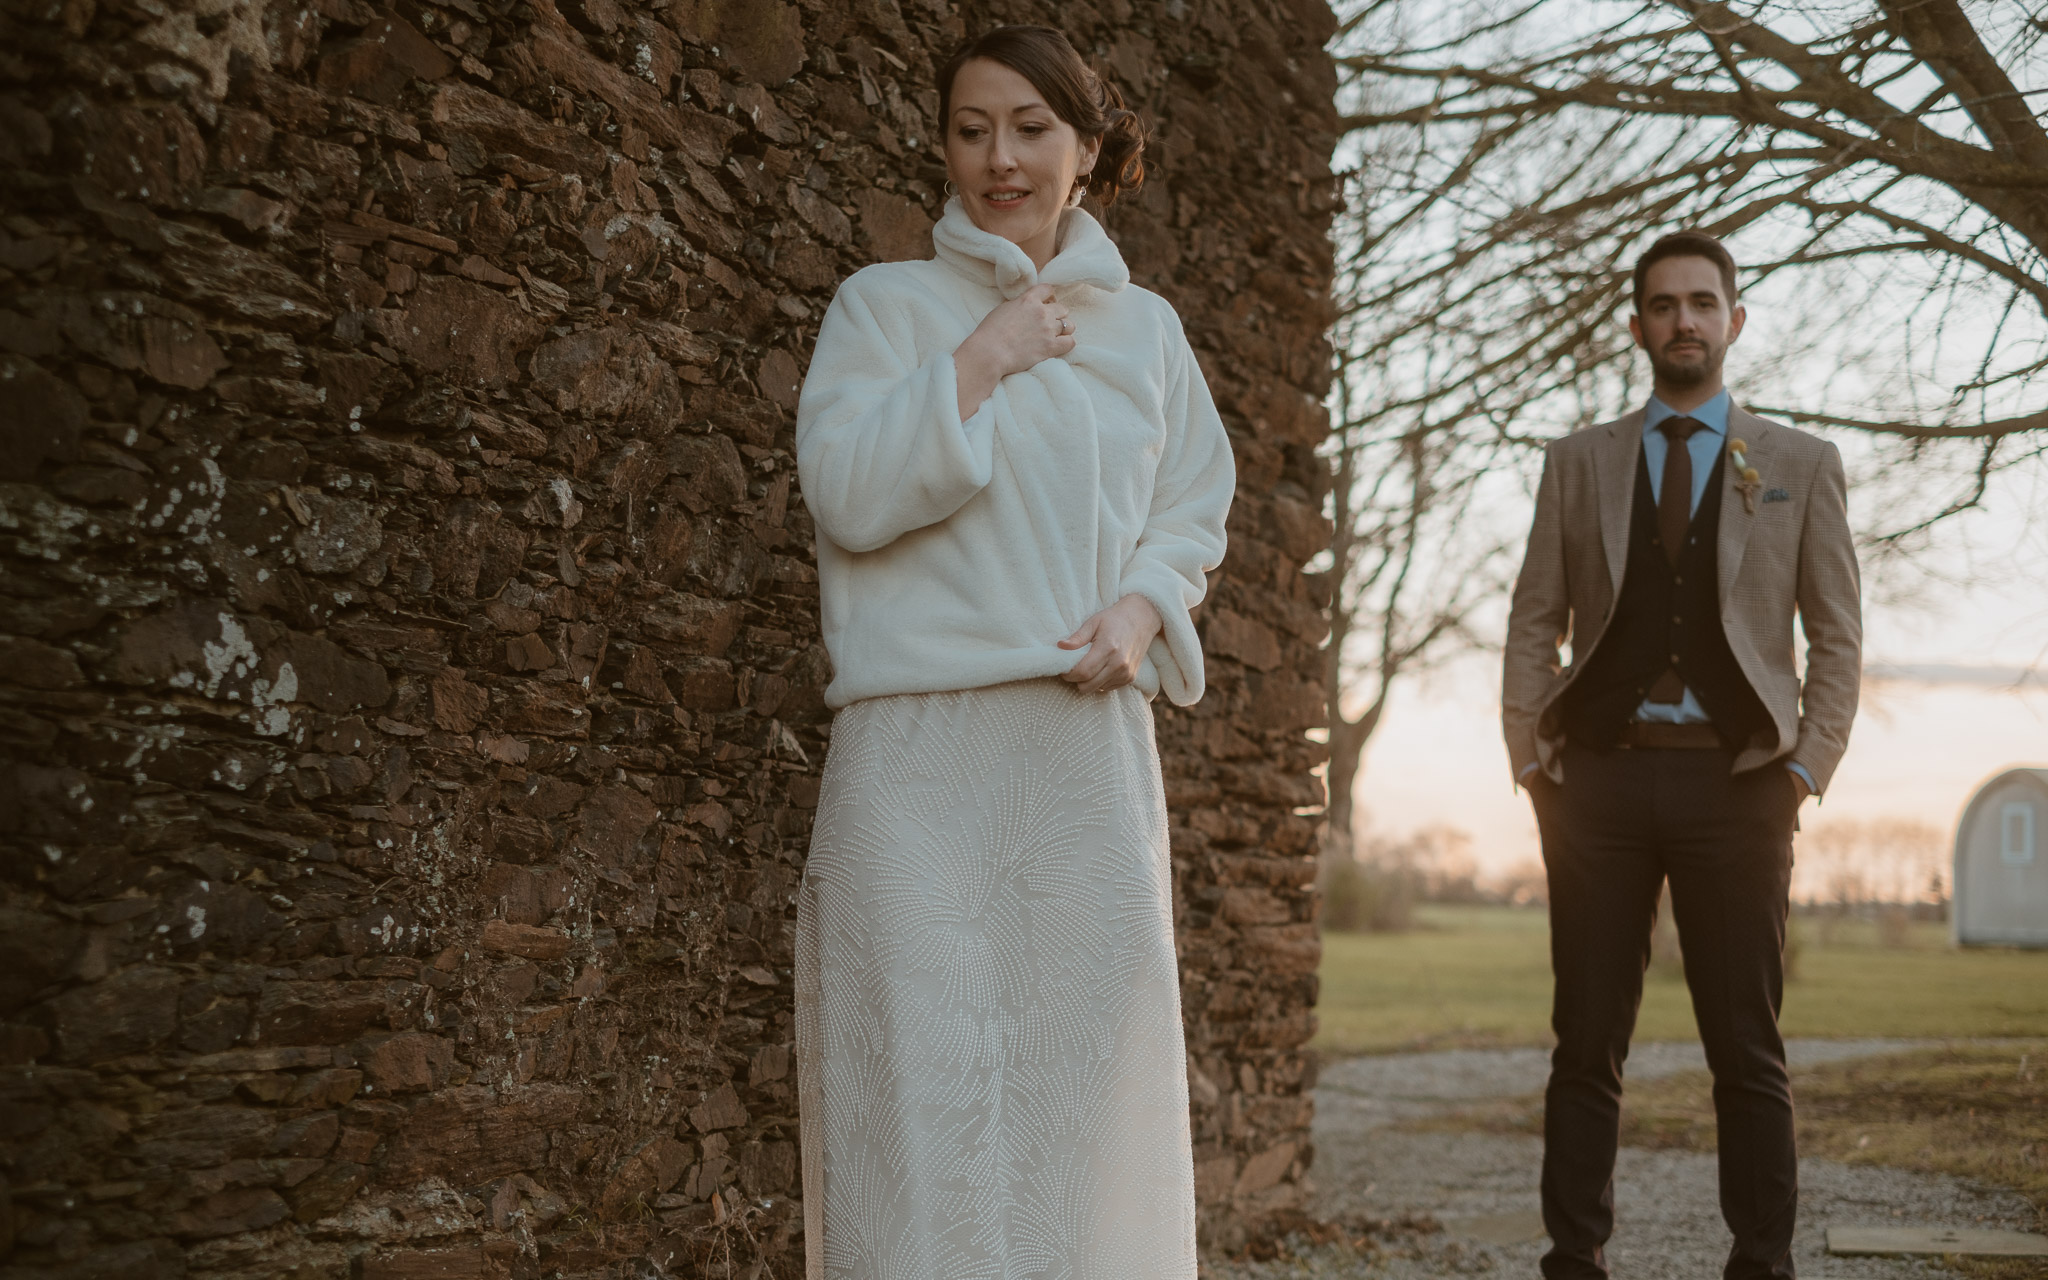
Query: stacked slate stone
x=408, y=638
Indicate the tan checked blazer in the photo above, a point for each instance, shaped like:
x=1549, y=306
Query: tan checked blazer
x=1794, y=553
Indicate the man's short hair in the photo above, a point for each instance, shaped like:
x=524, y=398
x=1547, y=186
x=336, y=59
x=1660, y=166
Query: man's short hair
x=1687, y=244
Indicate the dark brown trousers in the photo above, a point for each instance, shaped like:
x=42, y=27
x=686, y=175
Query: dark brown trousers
x=1620, y=824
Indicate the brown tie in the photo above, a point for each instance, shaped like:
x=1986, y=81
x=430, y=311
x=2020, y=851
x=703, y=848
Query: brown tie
x=1674, y=498
x=1674, y=515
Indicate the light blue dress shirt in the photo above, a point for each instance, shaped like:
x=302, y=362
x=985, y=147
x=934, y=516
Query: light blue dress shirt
x=1705, y=447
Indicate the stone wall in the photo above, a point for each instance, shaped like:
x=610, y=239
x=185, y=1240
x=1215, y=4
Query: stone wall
x=409, y=673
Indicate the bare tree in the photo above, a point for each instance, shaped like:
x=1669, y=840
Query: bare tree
x=1412, y=564
x=1880, y=162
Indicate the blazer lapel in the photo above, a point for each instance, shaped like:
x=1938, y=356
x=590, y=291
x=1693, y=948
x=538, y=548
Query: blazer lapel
x=1616, y=485
x=1738, y=518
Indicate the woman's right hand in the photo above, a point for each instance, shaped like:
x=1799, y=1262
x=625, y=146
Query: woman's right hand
x=1016, y=336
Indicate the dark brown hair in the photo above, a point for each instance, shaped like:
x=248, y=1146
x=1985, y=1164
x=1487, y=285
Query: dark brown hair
x=1687, y=244
x=1076, y=95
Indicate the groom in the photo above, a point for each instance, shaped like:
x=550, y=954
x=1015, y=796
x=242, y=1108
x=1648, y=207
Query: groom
x=1671, y=549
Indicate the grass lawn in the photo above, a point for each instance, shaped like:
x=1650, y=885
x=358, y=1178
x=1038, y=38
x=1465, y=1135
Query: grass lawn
x=1481, y=976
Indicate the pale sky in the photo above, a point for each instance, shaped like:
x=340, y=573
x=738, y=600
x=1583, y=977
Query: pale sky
x=1918, y=749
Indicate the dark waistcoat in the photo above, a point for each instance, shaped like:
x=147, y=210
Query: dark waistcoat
x=1665, y=618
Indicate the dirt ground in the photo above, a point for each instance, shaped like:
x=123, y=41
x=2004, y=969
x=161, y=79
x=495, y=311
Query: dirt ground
x=1471, y=1197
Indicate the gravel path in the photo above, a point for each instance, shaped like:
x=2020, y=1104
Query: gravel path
x=1482, y=1187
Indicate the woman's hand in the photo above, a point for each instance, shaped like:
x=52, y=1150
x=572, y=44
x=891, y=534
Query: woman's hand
x=1030, y=327
x=1117, y=638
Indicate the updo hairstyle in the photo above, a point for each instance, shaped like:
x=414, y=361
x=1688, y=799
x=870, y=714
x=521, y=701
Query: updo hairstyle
x=1076, y=95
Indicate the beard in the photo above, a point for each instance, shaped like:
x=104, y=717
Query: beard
x=1686, y=369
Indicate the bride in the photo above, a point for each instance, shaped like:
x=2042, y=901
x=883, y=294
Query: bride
x=1019, y=484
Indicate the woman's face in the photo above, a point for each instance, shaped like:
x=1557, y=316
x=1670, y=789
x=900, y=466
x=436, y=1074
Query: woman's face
x=1013, y=160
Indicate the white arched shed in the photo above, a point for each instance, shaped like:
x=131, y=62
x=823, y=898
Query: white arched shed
x=2001, y=867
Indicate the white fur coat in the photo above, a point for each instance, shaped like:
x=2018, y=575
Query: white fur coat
x=955, y=555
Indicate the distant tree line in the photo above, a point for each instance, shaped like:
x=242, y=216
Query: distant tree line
x=1886, y=869
x=1380, y=882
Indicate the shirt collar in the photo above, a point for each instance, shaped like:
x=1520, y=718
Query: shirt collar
x=1713, y=415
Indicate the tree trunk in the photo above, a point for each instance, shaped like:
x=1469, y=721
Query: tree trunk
x=1347, y=747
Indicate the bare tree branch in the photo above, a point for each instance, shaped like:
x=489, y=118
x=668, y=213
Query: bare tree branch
x=1914, y=431
x=1881, y=165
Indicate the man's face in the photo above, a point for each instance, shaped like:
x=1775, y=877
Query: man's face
x=1685, y=322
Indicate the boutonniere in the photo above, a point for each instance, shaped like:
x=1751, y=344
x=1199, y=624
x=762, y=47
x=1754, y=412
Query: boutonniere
x=1748, y=480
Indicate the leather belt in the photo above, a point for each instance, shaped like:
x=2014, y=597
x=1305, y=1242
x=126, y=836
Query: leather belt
x=1683, y=737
